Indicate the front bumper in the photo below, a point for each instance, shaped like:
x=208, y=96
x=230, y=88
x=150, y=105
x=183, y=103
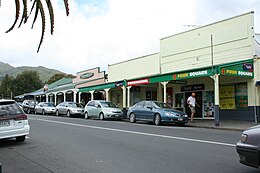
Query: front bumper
x=249, y=155
x=180, y=120
x=114, y=115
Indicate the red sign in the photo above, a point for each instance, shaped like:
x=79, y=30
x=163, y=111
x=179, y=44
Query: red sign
x=138, y=82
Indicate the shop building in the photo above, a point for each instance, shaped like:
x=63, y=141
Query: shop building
x=219, y=62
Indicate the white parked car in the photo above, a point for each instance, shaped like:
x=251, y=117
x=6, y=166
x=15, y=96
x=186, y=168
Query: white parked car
x=69, y=108
x=102, y=109
x=45, y=108
x=13, y=121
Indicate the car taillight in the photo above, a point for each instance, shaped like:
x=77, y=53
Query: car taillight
x=20, y=117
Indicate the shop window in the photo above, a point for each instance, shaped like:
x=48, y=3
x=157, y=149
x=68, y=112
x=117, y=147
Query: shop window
x=233, y=96
x=241, y=96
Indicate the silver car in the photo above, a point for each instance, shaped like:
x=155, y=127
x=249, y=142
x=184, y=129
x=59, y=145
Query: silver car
x=45, y=108
x=102, y=109
x=69, y=108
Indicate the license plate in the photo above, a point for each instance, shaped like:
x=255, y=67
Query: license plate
x=4, y=123
x=180, y=119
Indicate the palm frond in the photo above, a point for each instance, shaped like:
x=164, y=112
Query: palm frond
x=36, y=11
x=37, y=6
x=49, y=5
x=66, y=3
x=40, y=7
x=17, y=5
x=24, y=17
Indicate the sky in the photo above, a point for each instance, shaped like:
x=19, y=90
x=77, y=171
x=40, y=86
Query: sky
x=102, y=32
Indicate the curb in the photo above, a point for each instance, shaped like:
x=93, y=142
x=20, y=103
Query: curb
x=214, y=127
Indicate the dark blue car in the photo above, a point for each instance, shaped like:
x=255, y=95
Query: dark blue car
x=156, y=112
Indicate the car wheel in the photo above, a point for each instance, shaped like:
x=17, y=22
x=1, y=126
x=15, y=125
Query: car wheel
x=132, y=118
x=86, y=115
x=20, y=138
x=157, y=119
x=101, y=116
x=43, y=112
x=57, y=113
x=68, y=113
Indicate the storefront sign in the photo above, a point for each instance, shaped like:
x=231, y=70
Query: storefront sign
x=138, y=82
x=119, y=84
x=248, y=67
x=178, y=82
x=234, y=72
x=198, y=87
x=193, y=74
x=86, y=75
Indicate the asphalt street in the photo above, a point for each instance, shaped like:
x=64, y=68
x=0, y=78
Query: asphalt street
x=74, y=145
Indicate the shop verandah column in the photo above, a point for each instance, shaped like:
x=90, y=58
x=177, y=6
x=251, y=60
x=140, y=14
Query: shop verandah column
x=164, y=91
x=128, y=96
x=216, y=94
x=107, y=94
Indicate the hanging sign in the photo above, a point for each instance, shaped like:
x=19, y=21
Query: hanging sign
x=138, y=82
x=197, y=87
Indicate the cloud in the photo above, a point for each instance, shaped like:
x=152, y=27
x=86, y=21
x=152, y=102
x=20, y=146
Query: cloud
x=98, y=34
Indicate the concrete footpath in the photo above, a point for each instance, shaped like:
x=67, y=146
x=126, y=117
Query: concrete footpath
x=224, y=124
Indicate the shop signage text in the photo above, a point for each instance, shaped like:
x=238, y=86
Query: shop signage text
x=233, y=72
x=193, y=74
x=138, y=82
x=197, y=87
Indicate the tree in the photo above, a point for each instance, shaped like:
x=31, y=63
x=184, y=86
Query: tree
x=38, y=7
x=6, y=87
x=27, y=82
x=59, y=76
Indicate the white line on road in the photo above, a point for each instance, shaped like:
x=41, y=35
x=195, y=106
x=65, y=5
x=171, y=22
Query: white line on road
x=138, y=133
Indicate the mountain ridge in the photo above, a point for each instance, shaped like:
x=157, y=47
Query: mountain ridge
x=44, y=72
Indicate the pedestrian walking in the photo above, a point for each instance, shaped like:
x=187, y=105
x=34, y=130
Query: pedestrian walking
x=191, y=101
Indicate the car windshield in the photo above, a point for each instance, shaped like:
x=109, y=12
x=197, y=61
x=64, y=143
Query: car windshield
x=31, y=102
x=73, y=105
x=9, y=108
x=48, y=104
x=108, y=104
x=161, y=105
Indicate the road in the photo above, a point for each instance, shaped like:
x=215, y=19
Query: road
x=76, y=145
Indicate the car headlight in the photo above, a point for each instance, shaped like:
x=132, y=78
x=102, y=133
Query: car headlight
x=186, y=116
x=244, y=137
x=169, y=114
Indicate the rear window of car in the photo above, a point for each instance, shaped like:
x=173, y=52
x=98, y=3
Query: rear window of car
x=9, y=109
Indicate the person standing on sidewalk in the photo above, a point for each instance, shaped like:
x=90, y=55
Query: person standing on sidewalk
x=191, y=101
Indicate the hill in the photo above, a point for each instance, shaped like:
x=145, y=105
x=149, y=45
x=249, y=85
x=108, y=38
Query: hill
x=44, y=73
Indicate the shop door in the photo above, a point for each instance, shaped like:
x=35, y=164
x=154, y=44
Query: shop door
x=198, y=97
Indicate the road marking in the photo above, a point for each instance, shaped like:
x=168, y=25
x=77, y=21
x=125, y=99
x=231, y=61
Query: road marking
x=138, y=133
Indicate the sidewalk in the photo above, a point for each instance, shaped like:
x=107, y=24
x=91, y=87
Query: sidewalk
x=224, y=124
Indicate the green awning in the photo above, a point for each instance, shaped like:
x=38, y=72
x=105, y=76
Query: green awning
x=97, y=87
